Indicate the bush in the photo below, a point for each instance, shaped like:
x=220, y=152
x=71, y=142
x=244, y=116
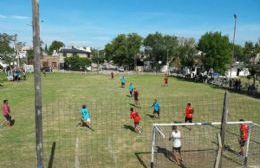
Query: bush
x=76, y=63
x=2, y=78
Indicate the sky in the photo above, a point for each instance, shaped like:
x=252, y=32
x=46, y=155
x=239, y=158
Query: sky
x=94, y=23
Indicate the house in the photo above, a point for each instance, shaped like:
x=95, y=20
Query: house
x=81, y=52
x=256, y=59
x=50, y=61
x=84, y=52
x=237, y=69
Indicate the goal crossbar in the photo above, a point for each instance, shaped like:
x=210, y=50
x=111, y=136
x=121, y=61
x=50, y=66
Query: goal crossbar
x=201, y=123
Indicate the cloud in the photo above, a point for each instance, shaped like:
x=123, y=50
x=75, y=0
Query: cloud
x=20, y=17
x=3, y=16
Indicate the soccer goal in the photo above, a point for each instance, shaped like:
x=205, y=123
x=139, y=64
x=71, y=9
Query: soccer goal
x=201, y=145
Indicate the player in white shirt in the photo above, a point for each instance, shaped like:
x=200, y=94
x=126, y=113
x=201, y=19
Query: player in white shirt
x=176, y=145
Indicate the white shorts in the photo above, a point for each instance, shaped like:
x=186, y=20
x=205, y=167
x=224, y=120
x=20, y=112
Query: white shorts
x=87, y=120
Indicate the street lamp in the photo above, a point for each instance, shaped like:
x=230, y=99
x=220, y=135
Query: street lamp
x=234, y=36
x=233, y=52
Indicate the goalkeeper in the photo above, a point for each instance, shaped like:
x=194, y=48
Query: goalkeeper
x=176, y=145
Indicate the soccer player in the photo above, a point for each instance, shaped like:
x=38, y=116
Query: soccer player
x=112, y=75
x=134, y=115
x=165, y=80
x=131, y=89
x=85, y=120
x=123, y=81
x=176, y=145
x=6, y=113
x=243, y=137
x=188, y=113
x=136, y=96
x=156, y=108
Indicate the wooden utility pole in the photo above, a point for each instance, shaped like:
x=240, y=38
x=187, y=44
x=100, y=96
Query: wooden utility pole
x=37, y=82
x=223, y=124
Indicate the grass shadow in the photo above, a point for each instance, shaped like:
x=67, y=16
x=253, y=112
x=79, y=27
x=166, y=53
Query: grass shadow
x=137, y=154
x=50, y=164
x=167, y=154
x=150, y=115
x=134, y=105
x=129, y=127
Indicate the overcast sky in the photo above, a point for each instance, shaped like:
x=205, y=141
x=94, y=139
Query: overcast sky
x=96, y=22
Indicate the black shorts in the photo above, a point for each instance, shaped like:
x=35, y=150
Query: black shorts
x=135, y=98
x=242, y=143
x=188, y=119
x=8, y=118
x=131, y=92
x=177, y=149
x=157, y=112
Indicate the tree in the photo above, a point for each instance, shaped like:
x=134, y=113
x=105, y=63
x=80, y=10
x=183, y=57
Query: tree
x=216, y=51
x=55, y=45
x=76, y=63
x=30, y=57
x=249, y=51
x=98, y=56
x=239, y=53
x=7, y=53
x=46, y=48
x=124, y=49
x=162, y=48
x=187, y=52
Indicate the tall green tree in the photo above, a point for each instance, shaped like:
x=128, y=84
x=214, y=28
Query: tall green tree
x=249, y=51
x=124, y=49
x=216, y=50
x=187, y=52
x=239, y=53
x=7, y=53
x=30, y=57
x=98, y=56
x=55, y=45
x=76, y=63
x=161, y=48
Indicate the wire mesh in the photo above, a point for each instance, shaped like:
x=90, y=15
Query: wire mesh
x=113, y=143
x=200, y=147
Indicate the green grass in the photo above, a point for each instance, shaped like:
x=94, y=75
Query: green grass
x=111, y=145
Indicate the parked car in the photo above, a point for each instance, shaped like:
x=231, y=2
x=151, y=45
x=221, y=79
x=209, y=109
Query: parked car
x=46, y=69
x=121, y=69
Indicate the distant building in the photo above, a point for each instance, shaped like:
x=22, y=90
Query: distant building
x=50, y=61
x=84, y=52
x=238, y=69
x=256, y=59
x=69, y=52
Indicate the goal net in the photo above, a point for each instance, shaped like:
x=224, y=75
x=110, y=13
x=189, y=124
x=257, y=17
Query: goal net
x=201, y=145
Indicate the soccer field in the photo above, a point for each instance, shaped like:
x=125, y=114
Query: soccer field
x=113, y=143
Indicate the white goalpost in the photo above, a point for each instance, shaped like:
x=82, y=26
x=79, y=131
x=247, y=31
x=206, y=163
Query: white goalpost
x=201, y=144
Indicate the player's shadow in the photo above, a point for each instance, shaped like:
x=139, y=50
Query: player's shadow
x=128, y=96
x=129, y=127
x=167, y=154
x=150, y=115
x=134, y=105
x=50, y=164
x=139, y=157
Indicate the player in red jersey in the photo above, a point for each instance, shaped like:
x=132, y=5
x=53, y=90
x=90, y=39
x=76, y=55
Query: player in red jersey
x=136, y=96
x=165, y=80
x=134, y=115
x=243, y=137
x=189, y=113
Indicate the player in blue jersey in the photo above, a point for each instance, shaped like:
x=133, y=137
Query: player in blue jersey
x=156, y=108
x=85, y=117
x=131, y=89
